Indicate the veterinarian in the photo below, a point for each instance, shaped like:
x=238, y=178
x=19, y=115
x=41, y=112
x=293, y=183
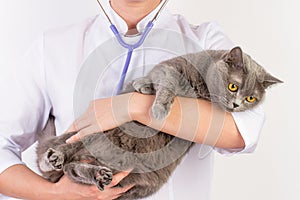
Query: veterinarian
x=46, y=83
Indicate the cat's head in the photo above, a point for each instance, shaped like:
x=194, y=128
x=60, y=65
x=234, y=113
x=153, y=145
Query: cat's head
x=241, y=81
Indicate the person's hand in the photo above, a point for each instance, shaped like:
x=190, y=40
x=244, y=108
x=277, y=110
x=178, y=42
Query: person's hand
x=65, y=189
x=101, y=115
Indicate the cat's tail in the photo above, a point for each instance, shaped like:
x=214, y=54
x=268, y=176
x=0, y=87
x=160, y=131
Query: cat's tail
x=49, y=131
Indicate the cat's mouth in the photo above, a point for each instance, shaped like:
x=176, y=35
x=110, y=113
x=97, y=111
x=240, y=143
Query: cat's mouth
x=231, y=107
x=224, y=104
x=234, y=109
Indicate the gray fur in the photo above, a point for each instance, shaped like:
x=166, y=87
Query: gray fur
x=154, y=155
x=206, y=75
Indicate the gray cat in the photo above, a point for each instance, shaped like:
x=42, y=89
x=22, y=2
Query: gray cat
x=230, y=79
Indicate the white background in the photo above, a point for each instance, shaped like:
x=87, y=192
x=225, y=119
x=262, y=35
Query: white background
x=266, y=29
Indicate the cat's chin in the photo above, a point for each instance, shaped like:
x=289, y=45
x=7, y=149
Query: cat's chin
x=224, y=107
x=230, y=110
x=234, y=109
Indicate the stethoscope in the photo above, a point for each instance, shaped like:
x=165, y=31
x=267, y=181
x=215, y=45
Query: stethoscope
x=130, y=47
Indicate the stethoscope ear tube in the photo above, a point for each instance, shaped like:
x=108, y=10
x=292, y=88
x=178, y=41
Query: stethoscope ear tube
x=159, y=11
x=154, y=18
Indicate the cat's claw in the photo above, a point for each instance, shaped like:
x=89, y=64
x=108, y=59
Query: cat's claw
x=103, y=177
x=89, y=174
x=143, y=85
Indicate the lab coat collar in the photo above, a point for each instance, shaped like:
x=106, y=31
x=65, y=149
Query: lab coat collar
x=114, y=17
x=99, y=31
x=143, y=23
x=121, y=24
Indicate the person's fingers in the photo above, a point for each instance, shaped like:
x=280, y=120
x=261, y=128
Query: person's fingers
x=80, y=123
x=116, y=196
x=73, y=139
x=118, y=177
x=84, y=121
x=71, y=129
x=121, y=190
x=82, y=133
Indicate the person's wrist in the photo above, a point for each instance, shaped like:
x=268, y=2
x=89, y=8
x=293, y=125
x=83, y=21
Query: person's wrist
x=139, y=105
x=133, y=107
x=46, y=190
x=53, y=190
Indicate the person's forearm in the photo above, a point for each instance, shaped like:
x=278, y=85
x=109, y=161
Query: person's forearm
x=25, y=184
x=192, y=119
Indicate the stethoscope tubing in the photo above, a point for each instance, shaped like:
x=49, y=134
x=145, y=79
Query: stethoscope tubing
x=138, y=43
x=130, y=48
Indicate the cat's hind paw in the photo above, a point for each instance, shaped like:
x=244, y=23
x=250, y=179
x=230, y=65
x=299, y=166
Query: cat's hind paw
x=52, y=160
x=103, y=177
x=86, y=173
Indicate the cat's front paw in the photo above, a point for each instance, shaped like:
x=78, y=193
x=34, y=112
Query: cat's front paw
x=160, y=111
x=52, y=160
x=143, y=85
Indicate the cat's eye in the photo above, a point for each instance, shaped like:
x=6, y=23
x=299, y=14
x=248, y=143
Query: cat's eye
x=251, y=99
x=232, y=87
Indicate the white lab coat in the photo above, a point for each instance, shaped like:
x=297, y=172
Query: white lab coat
x=67, y=67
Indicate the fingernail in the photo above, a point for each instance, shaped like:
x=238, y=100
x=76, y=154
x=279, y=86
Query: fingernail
x=70, y=140
x=128, y=170
x=129, y=187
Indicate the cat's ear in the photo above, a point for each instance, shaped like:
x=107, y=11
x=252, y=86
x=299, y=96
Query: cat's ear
x=270, y=80
x=235, y=58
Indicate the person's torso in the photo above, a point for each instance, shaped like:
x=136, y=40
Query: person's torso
x=85, y=62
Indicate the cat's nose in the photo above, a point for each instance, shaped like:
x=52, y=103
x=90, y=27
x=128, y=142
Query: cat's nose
x=235, y=105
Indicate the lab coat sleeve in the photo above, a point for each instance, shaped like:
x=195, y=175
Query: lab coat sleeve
x=250, y=122
x=24, y=105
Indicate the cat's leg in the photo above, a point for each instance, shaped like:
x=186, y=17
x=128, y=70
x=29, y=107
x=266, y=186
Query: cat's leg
x=88, y=174
x=143, y=85
x=55, y=158
x=52, y=160
x=163, y=102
